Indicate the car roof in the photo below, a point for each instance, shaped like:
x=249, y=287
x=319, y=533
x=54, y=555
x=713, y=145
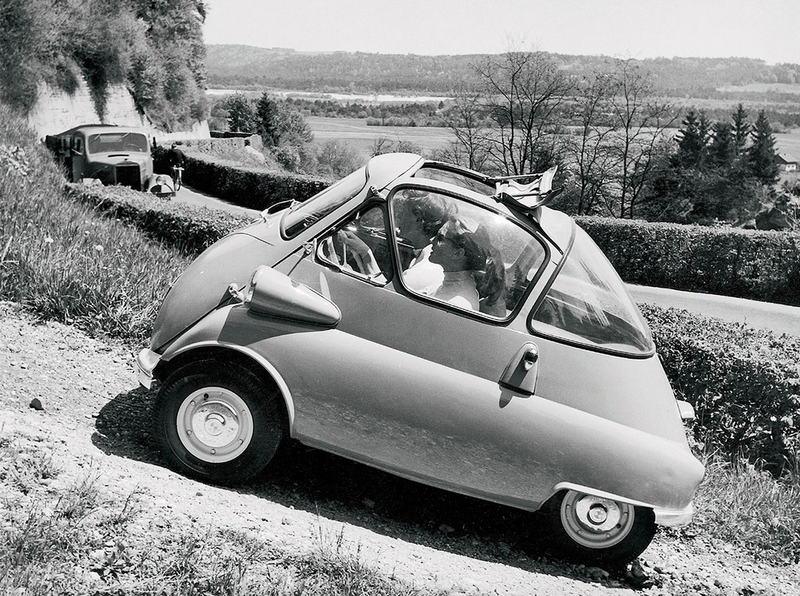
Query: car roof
x=554, y=224
x=101, y=128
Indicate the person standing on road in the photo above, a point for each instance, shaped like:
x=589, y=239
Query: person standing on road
x=175, y=160
x=175, y=157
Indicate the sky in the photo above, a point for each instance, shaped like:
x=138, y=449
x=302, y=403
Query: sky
x=765, y=29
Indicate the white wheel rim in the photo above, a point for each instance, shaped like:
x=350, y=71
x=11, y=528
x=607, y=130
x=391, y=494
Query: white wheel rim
x=594, y=522
x=214, y=425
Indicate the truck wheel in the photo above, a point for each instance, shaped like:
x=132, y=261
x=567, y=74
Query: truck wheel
x=592, y=529
x=218, y=423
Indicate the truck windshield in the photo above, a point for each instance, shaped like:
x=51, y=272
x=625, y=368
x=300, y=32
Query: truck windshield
x=589, y=304
x=117, y=142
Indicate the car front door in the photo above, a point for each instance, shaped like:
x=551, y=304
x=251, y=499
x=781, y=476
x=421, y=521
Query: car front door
x=419, y=382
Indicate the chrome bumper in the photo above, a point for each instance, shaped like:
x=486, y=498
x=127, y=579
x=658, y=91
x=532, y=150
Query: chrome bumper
x=146, y=363
x=673, y=518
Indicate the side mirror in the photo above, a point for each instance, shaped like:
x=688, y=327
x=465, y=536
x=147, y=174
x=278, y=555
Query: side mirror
x=273, y=294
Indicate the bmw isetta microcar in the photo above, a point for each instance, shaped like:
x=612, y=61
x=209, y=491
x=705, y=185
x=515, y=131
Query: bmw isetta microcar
x=439, y=324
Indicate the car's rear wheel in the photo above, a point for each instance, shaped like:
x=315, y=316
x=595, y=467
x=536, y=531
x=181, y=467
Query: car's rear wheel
x=218, y=423
x=598, y=530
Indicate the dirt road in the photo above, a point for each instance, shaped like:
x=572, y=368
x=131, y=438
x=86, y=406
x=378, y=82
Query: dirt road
x=95, y=417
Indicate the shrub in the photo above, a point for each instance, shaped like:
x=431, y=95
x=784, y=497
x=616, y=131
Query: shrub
x=731, y=262
x=744, y=384
x=253, y=187
x=188, y=228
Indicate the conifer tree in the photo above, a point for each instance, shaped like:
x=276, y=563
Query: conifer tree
x=761, y=155
x=721, y=149
x=741, y=129
x=693, y=140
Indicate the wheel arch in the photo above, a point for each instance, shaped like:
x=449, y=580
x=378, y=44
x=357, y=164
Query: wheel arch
x=232, y=354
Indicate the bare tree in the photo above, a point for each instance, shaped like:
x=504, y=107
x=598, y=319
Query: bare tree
x=639, y=123
x=522, y=92
x=466, y=120
x=590, y=149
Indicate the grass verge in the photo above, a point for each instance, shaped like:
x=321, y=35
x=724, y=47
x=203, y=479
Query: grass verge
x=73, y=538
x=62, y=259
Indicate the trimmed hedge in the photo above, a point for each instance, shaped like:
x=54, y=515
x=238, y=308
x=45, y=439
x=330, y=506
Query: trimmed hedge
x=188, y=228
x=751, y=264
x=250, y=187
x=744, y=383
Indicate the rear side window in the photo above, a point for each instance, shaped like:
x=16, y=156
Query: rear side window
x=589, y=304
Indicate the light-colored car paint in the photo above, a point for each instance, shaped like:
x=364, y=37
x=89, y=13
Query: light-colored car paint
x=410, y=386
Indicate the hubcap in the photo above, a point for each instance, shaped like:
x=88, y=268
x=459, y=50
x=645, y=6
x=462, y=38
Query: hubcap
x=215, y=425
x=595, y=522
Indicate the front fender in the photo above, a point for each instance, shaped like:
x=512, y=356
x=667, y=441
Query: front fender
x=210, y=333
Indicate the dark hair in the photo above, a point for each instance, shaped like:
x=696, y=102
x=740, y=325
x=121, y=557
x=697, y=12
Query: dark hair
x=431, y=212
x=483, y=259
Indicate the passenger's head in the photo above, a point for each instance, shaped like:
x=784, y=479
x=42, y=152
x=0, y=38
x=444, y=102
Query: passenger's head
x=420, y=217
x=457, y=246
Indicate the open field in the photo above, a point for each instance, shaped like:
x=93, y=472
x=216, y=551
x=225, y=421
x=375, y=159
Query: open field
x=356, y=133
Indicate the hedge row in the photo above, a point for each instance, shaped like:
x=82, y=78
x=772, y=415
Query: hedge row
x=744, y=383
x=249, y=187
x=188, y=228
x=751, y=264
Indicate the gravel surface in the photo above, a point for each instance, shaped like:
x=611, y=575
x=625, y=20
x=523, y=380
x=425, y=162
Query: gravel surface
x=96, y=418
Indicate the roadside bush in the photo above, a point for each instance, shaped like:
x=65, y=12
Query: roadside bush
x=253, y=187
x=744, y=384
x=187, y=228
x=751, y=264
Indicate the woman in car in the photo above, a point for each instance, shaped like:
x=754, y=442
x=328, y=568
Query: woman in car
x=464, y=252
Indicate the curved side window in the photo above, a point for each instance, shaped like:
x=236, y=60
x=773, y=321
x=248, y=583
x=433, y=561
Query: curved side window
x=461, y=254
x=589, y=304
x=307, y=213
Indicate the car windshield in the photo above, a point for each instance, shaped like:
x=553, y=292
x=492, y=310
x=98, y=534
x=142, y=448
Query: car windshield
x=117, y=142
x=303, y=215
x=589, y=304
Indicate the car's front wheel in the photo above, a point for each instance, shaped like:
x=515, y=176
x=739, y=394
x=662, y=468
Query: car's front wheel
x=593, y=529
x=219, y=423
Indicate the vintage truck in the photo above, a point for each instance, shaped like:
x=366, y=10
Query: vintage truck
x=111, y=154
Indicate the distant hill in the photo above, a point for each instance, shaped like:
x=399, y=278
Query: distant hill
x=358, y=72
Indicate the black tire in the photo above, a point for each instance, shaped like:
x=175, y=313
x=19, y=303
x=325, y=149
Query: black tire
x=599, y=531
x=218, y=423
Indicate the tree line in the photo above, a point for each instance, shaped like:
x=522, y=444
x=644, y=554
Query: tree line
x=613, y=137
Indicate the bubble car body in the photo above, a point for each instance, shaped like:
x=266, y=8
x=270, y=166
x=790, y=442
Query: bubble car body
x=547, y=396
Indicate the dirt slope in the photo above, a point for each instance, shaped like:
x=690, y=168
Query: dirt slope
x=96, y=418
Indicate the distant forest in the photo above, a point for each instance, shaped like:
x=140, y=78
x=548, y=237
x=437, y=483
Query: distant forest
x=357, y=72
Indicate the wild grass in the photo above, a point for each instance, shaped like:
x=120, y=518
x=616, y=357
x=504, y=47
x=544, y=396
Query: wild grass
x=75, y=539
x=743, y=505
x=63, y=260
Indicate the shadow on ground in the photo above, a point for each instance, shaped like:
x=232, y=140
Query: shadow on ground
x=341, y=490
